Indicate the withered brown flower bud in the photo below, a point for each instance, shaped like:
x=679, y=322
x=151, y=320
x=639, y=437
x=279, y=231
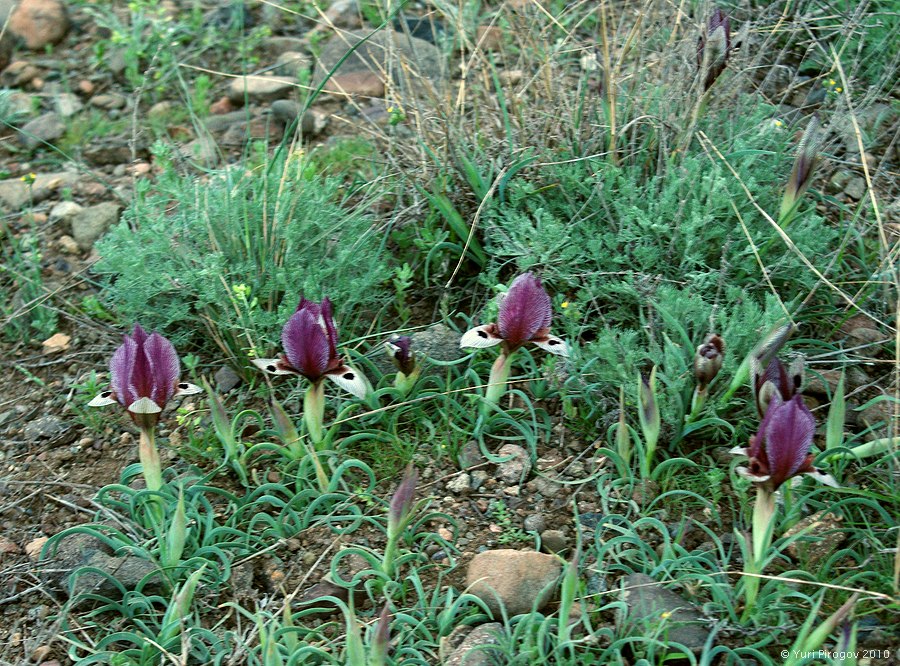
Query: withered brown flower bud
x=708, y=360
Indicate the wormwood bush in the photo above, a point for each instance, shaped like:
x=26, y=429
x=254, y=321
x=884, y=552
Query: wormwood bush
x=653, y=261
x=231, y=256
x=606, y=229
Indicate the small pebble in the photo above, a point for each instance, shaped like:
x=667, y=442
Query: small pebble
x=554, y=541
x=535, y=523
x=479, y=476
x=462, y=483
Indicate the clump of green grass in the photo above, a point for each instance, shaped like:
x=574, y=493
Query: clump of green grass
x=231, y=257
x=25, y=307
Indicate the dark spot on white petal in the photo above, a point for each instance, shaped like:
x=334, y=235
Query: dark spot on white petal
x=553, y=342
x=482, y=334
x=271, y=368
x=106, y=394
x=349, y=376
x=183, y=386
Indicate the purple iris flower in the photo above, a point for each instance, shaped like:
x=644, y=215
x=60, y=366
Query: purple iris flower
x=714, y=47
x=144, y=376
x=310, y=349
x=525, y=314
x=399, y=348
x=780, y=449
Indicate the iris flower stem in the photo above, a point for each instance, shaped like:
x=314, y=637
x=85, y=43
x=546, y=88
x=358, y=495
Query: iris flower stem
x=395, y=527
x=763, y=526
x=314, y=411
x=149, y=456
x=152, y=469
x=498, y=378
x=390, y=550
x=698, y=401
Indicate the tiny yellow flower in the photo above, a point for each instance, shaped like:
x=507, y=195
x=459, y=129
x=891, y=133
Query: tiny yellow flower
x=29, y=179
x=564, y=304
x=390, y=109
x=666, y=615
x=778, y=123
x=831, y=82
x=838, y=89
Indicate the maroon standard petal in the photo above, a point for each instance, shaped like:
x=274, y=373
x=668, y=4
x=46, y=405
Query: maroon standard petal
x=141, y=380
x=788, y=435
x=306, y=344
x=330, y=329
x=524, y=311
x=774, y=379
x=306, y=304
x=164, y=368
x=121, y=367
x=718, y=20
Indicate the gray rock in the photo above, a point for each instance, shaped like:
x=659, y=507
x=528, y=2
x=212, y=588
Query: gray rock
x=239, y=134
x=83, y=550
x=839, y=180
x=413, y=63
x=825, y=535
x=19, y=74
x=226, y=379
x=478, y=646
x=518, y=580
x=260, y=88
x=115, y=61
x=15, y=193
x=292, y=63
x=202, y=151
x=92, y=222
x=554, y=541
x=479, y=476
x=223, y=121
x=129, y=572
x=534, y=523
x=544, y=486
x=825, y=381
x=461, y=483
x=855, y=188
x=653, y=610
x=470, y=455
x=517, y=468
x=272, y=47
x=343, y=13
x=286, y=112
x=20, y=105
x=68, y=104
x=437, y=342
x=108, y=101
x=64, y=211
x=43, y=129
x=114, y=150
x=44, y=427
x=161, y=110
